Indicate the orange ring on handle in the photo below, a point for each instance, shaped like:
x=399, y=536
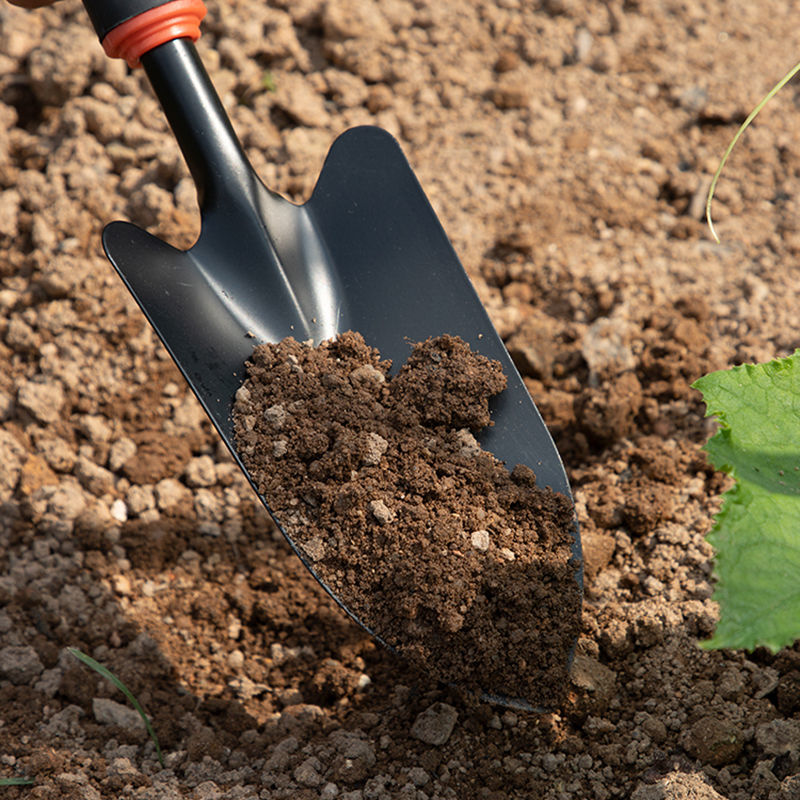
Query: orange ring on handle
x=178, y=19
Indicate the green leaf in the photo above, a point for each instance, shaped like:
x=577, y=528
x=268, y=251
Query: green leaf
x=756, y=534
x=106, y=673
x=16, y=782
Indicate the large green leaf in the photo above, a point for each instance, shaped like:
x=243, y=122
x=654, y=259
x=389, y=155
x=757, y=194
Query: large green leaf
x=756, y=535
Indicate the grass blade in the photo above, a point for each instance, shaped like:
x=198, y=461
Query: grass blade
x=742, y=128
x=106, y=673
x=16, y=782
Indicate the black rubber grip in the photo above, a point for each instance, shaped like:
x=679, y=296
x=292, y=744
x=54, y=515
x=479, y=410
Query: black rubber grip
x=107, y=14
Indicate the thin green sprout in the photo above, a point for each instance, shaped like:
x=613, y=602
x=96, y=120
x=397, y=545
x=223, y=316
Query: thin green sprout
x=16, y=782
x=100, y=669
x=268, y=81
x=751, y=116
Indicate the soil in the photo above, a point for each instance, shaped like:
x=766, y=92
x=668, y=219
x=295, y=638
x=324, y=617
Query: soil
x=566, y=147
x=459, y=565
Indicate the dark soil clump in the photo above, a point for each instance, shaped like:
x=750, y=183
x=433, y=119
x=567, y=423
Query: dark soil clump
x=460, y=565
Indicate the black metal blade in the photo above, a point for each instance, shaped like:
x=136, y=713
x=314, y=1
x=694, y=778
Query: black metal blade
x=365, y=253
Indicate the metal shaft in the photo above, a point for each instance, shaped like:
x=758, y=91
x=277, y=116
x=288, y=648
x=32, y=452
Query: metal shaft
x=213, y=153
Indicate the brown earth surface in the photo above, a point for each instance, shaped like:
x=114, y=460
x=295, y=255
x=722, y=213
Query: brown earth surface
x=566, y=147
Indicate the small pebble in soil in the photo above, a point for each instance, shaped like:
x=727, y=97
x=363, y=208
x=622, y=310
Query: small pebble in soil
x=434, y=725
x=19, y=664
x=460, y=565
x=480, y=540
x=715, y=741
x=109, y=712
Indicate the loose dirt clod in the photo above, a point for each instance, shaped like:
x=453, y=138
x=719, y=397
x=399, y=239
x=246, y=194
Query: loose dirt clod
x=462, y=566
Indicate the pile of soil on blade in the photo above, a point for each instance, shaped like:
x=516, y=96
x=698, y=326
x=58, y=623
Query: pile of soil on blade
x=459, y=564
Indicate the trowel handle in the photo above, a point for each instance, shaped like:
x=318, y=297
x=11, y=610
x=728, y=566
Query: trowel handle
x=130, y=28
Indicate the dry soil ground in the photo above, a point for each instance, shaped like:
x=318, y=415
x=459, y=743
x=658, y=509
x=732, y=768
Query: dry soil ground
x=566, y=146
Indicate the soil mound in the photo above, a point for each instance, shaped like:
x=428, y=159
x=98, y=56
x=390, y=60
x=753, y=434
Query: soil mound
x=460, y=565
